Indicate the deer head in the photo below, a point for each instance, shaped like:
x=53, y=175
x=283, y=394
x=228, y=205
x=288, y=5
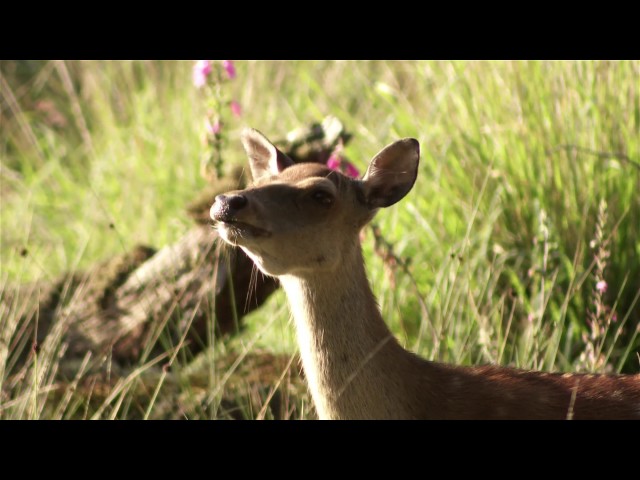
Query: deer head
x=301, y=218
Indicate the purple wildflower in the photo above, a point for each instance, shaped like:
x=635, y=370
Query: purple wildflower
x=213, y=128
x=235, y=108
x=601, y=286
x=201, y=71
x=230, y=68
x=334, y=162
x=351, y=171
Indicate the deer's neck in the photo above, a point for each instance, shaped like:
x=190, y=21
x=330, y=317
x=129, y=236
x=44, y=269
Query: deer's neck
x=353, y=364
x=355, y=368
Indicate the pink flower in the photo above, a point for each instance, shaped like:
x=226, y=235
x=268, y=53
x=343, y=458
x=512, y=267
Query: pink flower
x=213, y=128
x=334, y=162
x=201, y=71
x=601, y=286
x=230, y=68
x=351, y=171
x=235, y=108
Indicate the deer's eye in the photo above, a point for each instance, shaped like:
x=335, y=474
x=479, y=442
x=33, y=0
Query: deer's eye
x=322, y=197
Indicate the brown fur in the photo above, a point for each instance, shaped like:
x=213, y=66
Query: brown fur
x=301, y=224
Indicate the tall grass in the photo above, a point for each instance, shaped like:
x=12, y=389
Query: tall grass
x=517, y=159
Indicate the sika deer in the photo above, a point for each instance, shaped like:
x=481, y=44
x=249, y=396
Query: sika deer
x=300, y=223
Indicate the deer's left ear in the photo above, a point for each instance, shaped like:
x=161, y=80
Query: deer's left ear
x=264, y=157
x=392, y=173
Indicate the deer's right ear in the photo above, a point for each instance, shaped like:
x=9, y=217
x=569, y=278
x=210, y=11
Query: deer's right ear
x=264, y=158
x=392, y=173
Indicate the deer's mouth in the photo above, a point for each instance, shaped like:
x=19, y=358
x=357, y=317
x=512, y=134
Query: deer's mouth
x=233, y=229
x=224, y=212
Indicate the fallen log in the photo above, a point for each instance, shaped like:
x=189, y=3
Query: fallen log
x=143, y=301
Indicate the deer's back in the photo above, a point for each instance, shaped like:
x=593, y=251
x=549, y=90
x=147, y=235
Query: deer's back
x=493, y=392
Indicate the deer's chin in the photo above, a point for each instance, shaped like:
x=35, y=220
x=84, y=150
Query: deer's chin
x=266, y=263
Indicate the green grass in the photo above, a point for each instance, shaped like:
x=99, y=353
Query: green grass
x=497, y=230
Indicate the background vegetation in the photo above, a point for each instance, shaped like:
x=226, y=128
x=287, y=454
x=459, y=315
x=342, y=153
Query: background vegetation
x=521, y=237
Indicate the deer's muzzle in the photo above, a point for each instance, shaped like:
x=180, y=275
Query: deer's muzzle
x=226, y=207
x=227, y=211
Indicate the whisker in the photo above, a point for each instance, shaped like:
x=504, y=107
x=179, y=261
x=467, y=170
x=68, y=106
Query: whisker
x=253, y=286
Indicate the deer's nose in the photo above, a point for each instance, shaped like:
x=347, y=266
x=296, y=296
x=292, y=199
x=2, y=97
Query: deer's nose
x=235, y=202
x=226, y=206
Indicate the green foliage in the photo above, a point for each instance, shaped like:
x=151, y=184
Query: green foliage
x=516, y=159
